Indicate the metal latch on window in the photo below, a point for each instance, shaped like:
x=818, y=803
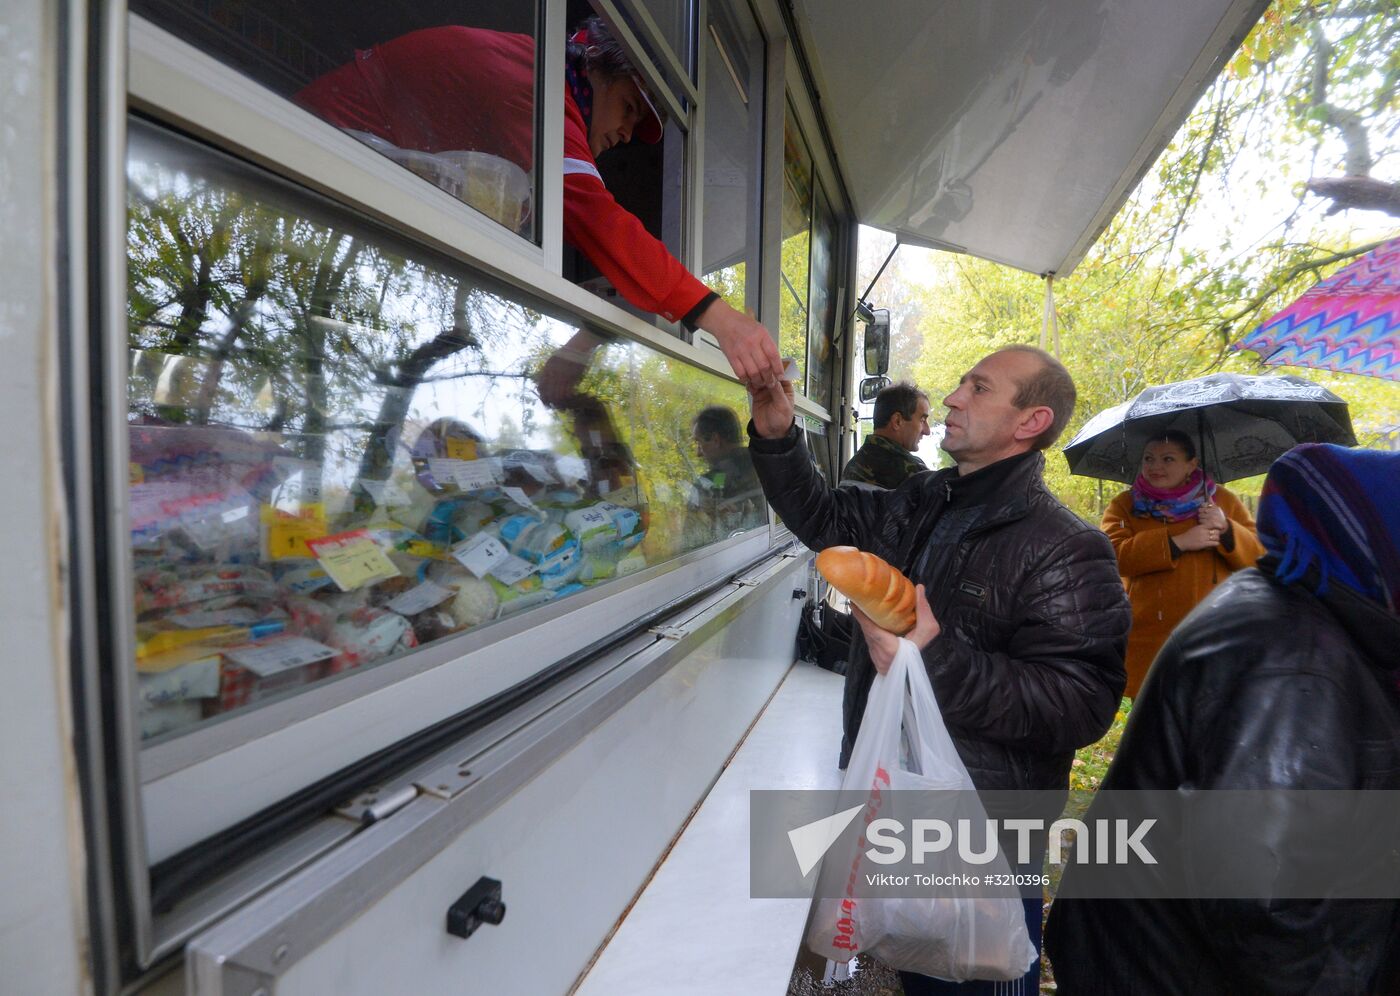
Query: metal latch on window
x=377, y=804
x=670, y=632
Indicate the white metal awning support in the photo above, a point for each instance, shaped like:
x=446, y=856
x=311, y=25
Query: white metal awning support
x=1011, y=130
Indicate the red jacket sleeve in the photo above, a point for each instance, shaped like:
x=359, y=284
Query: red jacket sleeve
x=614, y=240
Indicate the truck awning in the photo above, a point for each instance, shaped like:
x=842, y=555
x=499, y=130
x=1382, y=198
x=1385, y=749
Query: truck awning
x=1009, y=129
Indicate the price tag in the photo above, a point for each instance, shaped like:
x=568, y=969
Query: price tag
x=281, y=654
x=419, y=598
x=386, y=494
x=475, y=475
x=468, y=475
x=287, y=535
x=520, y=498
x=301, y=484
x=483, y=554
x=442, y=468
x=353, y=559
x=461, y=449
x=513, y=569
x=480, y=554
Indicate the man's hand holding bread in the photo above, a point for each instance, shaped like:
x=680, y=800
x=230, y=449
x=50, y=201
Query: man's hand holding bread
x=883, y=602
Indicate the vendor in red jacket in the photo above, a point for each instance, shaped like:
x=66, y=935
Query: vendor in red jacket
x=460, y=88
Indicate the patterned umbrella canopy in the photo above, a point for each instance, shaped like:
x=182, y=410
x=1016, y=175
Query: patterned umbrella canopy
x=1241, y=424
x=1350, y=322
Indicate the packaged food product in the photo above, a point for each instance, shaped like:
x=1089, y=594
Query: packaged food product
x=474, y=603
x=164, y=588
x=199, y=679
x=368, y=635
x=168, y=717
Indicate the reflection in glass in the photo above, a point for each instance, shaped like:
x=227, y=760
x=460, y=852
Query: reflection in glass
x=342, y=448
x=823, y=313
x=725, y=497
x=672, y=17
x=452, y=102
x=733, y=97
x=797, y=230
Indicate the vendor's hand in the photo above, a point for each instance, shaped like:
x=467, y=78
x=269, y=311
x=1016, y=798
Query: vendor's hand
x=1198, y=537
x=1213, y=517
x=773, y=408
x=747, y=345
x=883, y=644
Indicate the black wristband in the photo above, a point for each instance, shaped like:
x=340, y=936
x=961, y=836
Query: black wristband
x=693, y=315
x=762, y=444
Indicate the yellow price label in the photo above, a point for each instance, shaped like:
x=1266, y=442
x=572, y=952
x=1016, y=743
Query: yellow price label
x=461, y=449
x=353, y=559
x=287, y=535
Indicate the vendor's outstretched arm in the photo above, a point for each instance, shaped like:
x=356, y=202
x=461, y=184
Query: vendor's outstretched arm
x=747, y=345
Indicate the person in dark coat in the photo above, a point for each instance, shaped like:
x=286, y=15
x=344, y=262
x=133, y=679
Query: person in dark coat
x=1284, y=678
x=887, y=457
x=1031, y=617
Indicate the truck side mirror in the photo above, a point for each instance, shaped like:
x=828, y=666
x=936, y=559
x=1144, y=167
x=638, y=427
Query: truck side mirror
x=871, y=386
x=877, y=343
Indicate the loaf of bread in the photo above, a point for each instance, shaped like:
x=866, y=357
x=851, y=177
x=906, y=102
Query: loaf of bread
x=881, y=592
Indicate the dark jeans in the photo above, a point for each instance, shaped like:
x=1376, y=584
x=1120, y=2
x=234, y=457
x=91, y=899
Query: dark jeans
x=1027, y=985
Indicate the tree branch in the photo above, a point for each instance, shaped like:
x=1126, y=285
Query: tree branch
x=1350, y=124
x=1361, y=192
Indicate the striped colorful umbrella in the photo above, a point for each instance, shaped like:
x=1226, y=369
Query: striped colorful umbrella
x=1350, y=322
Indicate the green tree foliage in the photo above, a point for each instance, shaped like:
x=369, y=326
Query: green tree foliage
x=1237, y=219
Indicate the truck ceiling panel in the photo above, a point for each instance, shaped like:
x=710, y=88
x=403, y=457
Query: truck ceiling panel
x=1009, y=129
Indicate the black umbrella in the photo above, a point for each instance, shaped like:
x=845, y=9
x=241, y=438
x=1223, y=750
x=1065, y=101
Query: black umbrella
x=1241, y=424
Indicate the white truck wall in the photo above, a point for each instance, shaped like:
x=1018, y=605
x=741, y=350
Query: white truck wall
x=42, y=920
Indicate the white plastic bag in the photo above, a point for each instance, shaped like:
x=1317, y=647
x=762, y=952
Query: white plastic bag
x=944, y=937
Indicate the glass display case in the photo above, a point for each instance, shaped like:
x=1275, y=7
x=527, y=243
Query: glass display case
x=343, y=447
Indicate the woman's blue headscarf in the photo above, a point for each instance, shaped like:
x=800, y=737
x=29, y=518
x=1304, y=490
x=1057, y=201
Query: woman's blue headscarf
x=1338, y=509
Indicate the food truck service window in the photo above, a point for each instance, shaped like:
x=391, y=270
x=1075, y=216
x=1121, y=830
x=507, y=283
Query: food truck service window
x=734, y=68
x=447, y=90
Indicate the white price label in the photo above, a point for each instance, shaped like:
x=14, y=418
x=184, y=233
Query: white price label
x=475, y=475
x=442, y=468
x=419, y=598
x=468, y=475
x=281, y=654
x=483, y=554
x=520, y=498
x=386, y=494
x=513, y=569
x=480, y=554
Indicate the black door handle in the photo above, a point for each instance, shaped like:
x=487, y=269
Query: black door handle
x=479, y=904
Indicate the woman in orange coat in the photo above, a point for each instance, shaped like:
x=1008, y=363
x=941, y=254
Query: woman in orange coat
x=1177, y=535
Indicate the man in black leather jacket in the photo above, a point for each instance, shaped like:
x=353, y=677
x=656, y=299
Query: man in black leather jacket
x=1031, y=615
x=1284, y=678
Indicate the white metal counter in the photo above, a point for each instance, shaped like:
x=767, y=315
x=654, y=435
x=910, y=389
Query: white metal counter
x=694, y=930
